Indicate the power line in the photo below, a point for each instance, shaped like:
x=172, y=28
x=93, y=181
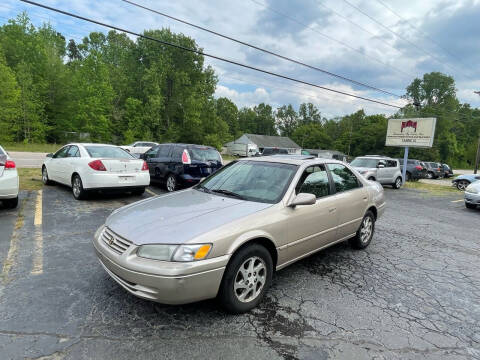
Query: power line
x=114, y=27
x=306, y=26
x=400, y=36
x=283, y=57
x=418, y=29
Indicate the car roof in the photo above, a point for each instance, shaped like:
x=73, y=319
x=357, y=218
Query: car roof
x=374, y=157
x=292, y=159
x=91, y=144
x=189, y=145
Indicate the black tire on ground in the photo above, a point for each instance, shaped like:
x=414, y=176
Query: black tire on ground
x=78, y=191
x=429, y=175
x=138, y=192
x=462, y=184
x=470, y=206
x=371, y=178
x=398, y=183
x=229, y=295
x=408, y=176
x=45, y=178
x=171, y=183
x=363, y=237
x=10, y=203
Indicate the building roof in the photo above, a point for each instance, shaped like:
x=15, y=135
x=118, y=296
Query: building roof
x=264, y=141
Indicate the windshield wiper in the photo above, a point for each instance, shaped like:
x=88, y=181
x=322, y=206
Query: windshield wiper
x=229, y=193
x=202, y=188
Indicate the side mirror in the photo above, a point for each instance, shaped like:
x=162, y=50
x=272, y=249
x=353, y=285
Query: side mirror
x=380, y=166
x=303, y=199
x=50, y=155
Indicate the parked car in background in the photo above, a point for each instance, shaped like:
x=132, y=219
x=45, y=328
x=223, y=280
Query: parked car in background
x=415, y=169
x=226, y=236
x=385, y=170
x=273, y=151
x=87, y=167
x=139, y=147
x=9, y=182
x=434, y=170
x=178, y=165
x=472, y=195
x=447, y=171
x=243, y=150
x=462, y=181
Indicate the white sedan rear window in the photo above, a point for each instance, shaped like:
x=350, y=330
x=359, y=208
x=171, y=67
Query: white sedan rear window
x=110, y=152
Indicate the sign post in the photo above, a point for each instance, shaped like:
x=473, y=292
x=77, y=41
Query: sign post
x=418, y=132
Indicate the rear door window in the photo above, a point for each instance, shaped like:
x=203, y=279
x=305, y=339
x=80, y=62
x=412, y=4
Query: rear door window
x=343, y=178
x=391, y=163
x=73, y=152
x=164, y=150
x=177, y=153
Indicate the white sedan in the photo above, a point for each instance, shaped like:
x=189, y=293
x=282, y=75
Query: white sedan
x=139, y=147
x=86, y=167
x=8, y=180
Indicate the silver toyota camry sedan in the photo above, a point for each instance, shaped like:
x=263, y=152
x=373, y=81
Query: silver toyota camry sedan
x=226, y=236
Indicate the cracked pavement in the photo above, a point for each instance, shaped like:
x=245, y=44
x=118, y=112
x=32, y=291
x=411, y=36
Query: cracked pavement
x=414, y=293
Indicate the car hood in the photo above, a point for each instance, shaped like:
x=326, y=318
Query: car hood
x=178, y=217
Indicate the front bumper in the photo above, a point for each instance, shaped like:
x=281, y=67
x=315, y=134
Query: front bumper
x=165, y=282
x=471, y=198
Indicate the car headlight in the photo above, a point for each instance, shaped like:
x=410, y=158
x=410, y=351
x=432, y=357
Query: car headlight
x=471, y=189
x=181, y=253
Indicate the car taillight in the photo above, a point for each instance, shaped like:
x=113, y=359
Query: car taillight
x=186, y=157
x=97, y=165
x=10, y=164
x=418, y=167
x=144, y=166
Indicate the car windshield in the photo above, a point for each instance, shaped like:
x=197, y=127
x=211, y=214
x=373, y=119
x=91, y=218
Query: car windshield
x=364, y=162
x=111, y=152
x=204, y=154
x=251, y=180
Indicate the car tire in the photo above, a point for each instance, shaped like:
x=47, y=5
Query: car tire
x=78, y=191
x=470, y=206
x=10, y=203
x=429, y=175
x=398, y=183
x=408, y=176
x=462, y=184
x=241, y=290
x=365, y=231
x=371, y=178
x=45, y=178
x=171, y=183
x=138, y=192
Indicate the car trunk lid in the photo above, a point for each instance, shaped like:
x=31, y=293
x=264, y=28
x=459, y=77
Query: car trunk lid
x=119, y=166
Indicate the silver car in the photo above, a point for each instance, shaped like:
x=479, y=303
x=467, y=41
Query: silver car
x=385, y=170
x=226, y=236
x=472, y=195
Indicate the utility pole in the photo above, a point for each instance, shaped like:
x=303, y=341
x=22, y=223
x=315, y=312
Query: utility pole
x=477, y=158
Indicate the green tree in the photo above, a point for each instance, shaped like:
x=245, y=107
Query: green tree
x=287, y=120
x=9, y=102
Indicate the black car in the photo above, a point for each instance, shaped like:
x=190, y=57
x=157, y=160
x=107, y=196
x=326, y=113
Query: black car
x=434, y=170
x=178, y=165
x=415, y=169
x=447, y=171
x=273, y=151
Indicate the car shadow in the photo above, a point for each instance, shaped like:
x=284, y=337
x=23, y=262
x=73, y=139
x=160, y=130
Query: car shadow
x=96, y=195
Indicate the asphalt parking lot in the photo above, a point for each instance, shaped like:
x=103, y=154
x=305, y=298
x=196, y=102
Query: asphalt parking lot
x=413, y=294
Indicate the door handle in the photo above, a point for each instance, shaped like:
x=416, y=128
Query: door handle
x=331, y=210
x=365, y=198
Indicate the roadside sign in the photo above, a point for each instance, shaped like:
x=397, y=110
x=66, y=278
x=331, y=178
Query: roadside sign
x=417, y=132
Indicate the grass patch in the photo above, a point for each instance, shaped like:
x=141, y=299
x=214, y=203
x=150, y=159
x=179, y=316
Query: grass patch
x=229, y=157
x=44, y=148
x=30, y=179
x=432, y=189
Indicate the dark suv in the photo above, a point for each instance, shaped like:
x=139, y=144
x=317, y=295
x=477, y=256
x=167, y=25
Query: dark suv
x=434, y=170
x=273, y=151
x=178, y=165
x=415, y=169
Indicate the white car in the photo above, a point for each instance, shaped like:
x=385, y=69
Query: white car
x=139, y=147
x=8, y=180
x=472, y=195
x=86, y=167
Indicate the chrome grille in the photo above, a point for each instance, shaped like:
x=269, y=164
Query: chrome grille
x=115, y=242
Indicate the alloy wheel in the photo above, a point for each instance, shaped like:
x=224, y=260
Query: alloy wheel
x=250, y=279
x=462, y=185
x=44, y=175
x=398, y=183
x=77, y=184
x=366, y=230
x=171, y=183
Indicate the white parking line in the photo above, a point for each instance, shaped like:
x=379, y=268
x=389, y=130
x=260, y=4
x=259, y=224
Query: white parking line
x=37, y=267
x=457, y=200
x=13, y=248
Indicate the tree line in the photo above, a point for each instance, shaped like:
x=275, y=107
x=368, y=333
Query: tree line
x=110, y=88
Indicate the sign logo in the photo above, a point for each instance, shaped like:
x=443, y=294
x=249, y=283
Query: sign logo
x=409, y=124
x=110, y=242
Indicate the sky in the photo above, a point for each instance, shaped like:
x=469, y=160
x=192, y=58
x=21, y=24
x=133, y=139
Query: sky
x=383, y=43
